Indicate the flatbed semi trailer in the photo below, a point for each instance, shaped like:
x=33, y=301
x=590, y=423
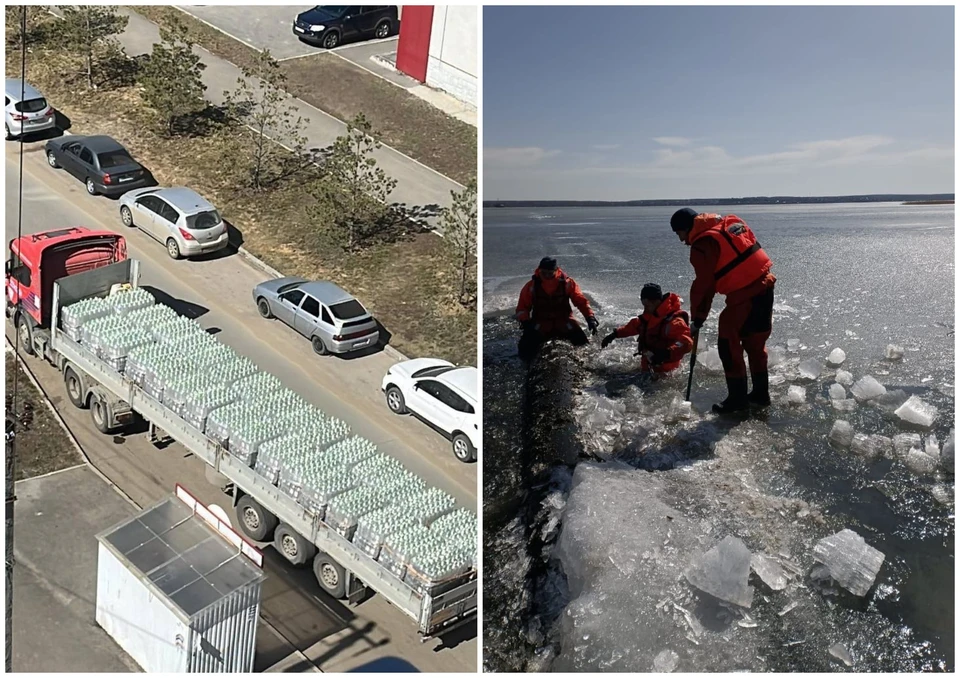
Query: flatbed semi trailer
x=341, y=568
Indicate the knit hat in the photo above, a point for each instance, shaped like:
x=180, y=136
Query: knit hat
x=682, y=220
x=651, y=291
x=548, y=264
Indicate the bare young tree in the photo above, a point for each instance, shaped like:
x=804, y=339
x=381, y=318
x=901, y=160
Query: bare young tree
x=261, y=102
x=460, y=234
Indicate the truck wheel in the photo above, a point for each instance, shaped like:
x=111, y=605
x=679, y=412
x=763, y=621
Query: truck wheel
x=395, y=400
x=98, y=412
x=292, y=546
x=25, y=330
x=74, y=389
x=462, y=449
x=255, y=521
x=330, y=575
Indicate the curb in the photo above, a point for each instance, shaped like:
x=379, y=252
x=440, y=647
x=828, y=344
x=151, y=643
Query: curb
x=261, y=265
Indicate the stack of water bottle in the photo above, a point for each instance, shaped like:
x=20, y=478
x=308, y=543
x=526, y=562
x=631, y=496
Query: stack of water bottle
x=424, y=506
x=75, y=315
x=345, y=508
x=114, y=345
x=199, y=404
x=387, y=476
x=177, y=390
x=428, y=558
x=126, y=301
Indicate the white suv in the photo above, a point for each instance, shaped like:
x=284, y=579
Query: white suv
x=442, y=395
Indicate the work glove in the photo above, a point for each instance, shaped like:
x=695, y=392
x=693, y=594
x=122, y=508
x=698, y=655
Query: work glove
x=528, y=325
x=593, y=324
x=607, y=340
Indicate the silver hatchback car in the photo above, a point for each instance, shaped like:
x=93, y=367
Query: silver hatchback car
x=25, y=110
x=180, y=218
x=332, y=319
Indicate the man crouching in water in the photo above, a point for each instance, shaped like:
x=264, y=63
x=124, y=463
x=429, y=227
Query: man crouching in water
x=662, y=331
x=544, y=310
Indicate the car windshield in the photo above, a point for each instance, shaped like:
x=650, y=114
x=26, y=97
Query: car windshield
x=332, y=10
x=348, y=309
x=204, y=220
x=431, y=371
x=114, y=159
x=32, y=105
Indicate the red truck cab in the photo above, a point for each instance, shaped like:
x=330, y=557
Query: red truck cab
x=39, y=259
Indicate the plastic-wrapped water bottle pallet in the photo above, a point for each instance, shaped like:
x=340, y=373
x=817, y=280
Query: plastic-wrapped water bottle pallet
x=269, y=471
x=427, y=585
x=393, y=562
x=371, y=548
x=343, y=525
x=289, y=485
x=244, y=454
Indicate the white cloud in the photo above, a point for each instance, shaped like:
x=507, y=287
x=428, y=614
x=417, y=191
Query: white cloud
x=673, y=141
x=605, y=147
x=526, y=156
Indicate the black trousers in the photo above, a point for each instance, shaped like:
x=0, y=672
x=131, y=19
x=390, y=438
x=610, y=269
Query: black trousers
x=532, y=340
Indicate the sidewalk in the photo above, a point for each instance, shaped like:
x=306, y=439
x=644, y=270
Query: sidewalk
x=418, y=186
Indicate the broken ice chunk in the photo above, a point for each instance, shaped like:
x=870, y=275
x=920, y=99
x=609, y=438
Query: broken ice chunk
x=942, y=493
x=919, y=462
x=890, y=401
x=769, y=571
x=723, y=572
x=915, y=411
x=838, y=651
x=844, y=377
x=870, y=446
x=775, y=355
x=777, y=379
x=904, y=442
x=932, y=447
x=665, y=662
x=810, y=368
x=849, y=560
x=796, y=395
x=946, y=456
x=844, y=404
x=793, y=345
x=894, y=352
x=868, y=388
x=836, y=357
x=841, y=434
x=837, y=392
x=710, y=359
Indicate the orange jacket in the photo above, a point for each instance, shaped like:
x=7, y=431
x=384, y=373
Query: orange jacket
x=547, y=300
x=726, y=258
x=666, y=329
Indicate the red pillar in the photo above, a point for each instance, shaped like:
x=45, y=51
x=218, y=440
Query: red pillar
x=413, y=48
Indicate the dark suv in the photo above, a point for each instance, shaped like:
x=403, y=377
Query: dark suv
x=329, y=25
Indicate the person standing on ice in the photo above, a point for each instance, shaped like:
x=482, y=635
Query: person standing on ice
x=662, y=331
x=544, y=310
x=727, y=258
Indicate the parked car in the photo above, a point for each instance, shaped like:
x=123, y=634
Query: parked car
x=25, y=110
x=329, y=25
x=102, y=163
x=180, y=218
x=332, y=319
x=440, y=394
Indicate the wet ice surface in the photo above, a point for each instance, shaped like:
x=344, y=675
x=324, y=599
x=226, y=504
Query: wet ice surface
x=905, y=511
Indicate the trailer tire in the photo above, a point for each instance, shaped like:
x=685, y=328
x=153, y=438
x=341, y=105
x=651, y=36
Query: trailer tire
x=25, y=334
x=255, y=521
x=293, y=546
x=74, y=389
x=330, y=575
x=98, y=412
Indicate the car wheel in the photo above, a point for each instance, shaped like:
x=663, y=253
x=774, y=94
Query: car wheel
x=173, y=249
x=52, y=160
x=395, y=400
x=318, y=346
x=263, y=306
x=91, y=187
x=383, y=29
x=462, y=449
x=331, y=40
x=126, y=216
x=6, y=130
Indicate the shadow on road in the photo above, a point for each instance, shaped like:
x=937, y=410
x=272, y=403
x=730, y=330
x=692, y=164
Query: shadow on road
x=185, y=308
x=386, y=665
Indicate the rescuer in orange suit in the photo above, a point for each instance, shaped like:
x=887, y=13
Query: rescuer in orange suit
x=727, y=259
x=544, y=310
x=662, y=331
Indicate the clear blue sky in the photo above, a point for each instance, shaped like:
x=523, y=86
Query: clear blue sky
x=619, y=103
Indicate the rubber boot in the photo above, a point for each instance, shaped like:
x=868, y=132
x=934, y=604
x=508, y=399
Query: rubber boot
x=760, y=395
x=737, y=397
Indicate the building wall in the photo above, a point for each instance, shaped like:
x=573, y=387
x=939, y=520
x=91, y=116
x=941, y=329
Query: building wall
x=452, y=59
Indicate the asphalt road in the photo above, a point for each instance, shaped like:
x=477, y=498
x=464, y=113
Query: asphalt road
x=330, y=635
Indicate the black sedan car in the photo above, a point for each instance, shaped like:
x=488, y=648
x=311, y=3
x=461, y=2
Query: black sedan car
x=100, y=162
x=329, y=25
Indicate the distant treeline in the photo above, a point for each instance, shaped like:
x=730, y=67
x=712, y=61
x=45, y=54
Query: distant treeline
x=934, y=198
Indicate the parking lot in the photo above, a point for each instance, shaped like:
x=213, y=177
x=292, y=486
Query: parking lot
x=270, y=27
